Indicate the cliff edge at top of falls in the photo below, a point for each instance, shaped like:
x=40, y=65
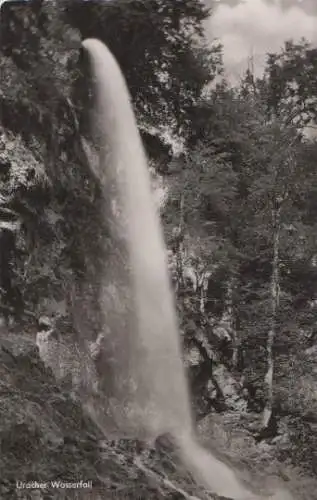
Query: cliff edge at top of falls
x=45, y=436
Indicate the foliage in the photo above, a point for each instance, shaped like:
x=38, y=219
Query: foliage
x=241, y=170
x=290, y=81
x=48, y=179
x=162, y=51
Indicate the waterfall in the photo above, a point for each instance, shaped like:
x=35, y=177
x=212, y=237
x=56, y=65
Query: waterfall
x=141, y=334
x=140, y=367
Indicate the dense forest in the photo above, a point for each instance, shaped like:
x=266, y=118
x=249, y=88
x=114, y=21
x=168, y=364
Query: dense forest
x=236, y=171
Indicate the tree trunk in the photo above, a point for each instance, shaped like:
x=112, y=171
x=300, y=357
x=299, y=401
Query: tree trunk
x=232, y=284
x=203, y=282
x=180, y=246
x=275, y=298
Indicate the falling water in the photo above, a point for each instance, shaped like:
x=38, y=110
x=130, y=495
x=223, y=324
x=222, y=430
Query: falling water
x=141, y=335
x=137, y=300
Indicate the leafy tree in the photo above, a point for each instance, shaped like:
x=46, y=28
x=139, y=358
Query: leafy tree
x=245, y=187
x=162, y=51
x=290, y=80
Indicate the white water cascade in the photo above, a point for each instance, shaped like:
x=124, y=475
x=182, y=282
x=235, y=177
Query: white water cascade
x=141, y=337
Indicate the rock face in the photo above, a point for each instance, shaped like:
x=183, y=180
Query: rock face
x=44, y=434
x=45, y=437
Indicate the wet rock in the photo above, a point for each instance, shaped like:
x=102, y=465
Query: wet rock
x=45, y=436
